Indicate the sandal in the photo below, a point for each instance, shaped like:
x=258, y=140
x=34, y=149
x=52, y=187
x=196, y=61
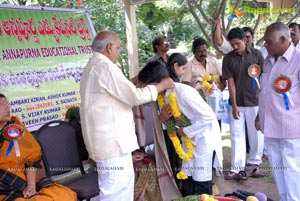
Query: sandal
x=242, y=175
x=251, y=167
x=257, y=173
x=230, y=176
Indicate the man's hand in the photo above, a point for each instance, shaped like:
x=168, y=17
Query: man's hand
x=164, y=84
x=180, y=131
x=134, y=80
x=257, y=124
x=218, y=33
x=165, y=113
x=221, y=86
x=235, y=112
x=207, y=92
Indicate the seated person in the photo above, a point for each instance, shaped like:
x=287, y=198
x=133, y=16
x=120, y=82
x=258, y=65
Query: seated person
x=20, y=155
x=204, y=130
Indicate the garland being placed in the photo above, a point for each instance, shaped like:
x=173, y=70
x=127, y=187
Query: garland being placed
x=177, y=119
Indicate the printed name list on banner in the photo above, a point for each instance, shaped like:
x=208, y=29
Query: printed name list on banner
x=42, y=55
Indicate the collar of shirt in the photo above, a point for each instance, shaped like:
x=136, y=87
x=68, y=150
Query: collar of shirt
x=102, y=56
x=248, y=50
x=287, y=55
x=196, y=62
x=298, y=45
x=158, y=56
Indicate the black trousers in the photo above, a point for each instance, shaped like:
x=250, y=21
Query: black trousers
x=192, y=187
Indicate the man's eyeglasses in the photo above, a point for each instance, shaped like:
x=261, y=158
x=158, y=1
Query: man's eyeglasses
x=166, y=43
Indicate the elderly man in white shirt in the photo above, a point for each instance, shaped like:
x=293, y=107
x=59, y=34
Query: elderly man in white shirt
x=106, y=116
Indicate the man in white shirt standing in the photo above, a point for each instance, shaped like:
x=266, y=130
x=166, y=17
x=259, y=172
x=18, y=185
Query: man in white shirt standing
x=106, y=116
x=202, y=63
x=295, y=34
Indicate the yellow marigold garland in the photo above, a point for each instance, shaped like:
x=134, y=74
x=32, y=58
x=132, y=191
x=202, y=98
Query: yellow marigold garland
x=181, y=175
x=208, y=79
x=179, y=119
x=216, y=78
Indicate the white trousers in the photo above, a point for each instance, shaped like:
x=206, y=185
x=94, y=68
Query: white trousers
x=116, y=178
x=284, y=159
x=238, y=139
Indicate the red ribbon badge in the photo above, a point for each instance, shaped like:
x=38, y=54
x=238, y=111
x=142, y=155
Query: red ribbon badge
x=254, y=70
x=282, y=84
x=13, y=132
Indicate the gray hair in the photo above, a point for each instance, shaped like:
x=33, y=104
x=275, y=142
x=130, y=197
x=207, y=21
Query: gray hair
x=102, y=39
x=281, y=29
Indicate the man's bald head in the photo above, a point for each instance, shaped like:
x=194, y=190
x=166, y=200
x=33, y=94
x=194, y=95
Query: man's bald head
x=108, y=44
x=277, y=39
x=102, y=39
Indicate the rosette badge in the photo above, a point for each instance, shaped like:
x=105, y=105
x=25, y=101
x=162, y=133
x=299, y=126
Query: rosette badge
x=13, y=133
x=254, y=71
x=282, y=85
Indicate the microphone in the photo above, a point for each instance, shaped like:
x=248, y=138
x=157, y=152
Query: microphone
x=239, y=195
x=247, y=193
x=251, y=198
x=259, y=195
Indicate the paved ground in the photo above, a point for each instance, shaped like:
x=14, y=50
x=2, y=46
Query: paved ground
x=225, y=186
x=252, y=185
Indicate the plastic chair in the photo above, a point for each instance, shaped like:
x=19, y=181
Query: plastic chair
x=60, y=156
x=84, y=155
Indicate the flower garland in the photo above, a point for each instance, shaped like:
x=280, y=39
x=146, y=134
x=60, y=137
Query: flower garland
x=177, y=119
x=208, y=79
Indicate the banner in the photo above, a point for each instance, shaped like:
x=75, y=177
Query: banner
x=42, y=55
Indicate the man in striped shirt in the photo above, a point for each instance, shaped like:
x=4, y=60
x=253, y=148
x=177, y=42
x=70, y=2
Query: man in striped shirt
x=279, y=109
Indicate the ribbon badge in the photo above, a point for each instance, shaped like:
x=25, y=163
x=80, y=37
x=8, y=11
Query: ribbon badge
x=282, y=85
x=13, y=133
x=254, y=71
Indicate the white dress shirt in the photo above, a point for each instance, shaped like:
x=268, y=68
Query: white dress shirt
x=204, y=132
x=107, y=98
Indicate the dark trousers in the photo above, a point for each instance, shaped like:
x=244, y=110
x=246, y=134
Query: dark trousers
x=174, y=159
x=192, y=187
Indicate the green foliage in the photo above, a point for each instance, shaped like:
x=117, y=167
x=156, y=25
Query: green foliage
x=183, y=121
x=73, y=113
x=158, y=18
x=171, y=125
x=145, y=36
x=151, y=15
x=110, y=15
